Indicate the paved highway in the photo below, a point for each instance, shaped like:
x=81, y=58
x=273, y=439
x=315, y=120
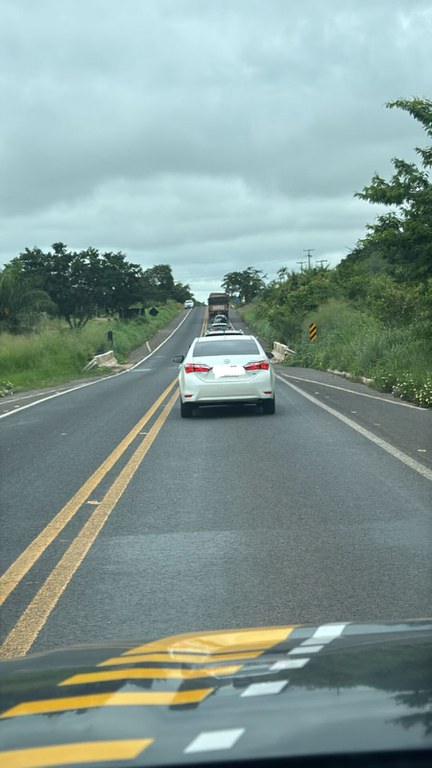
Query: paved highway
x=120, y=520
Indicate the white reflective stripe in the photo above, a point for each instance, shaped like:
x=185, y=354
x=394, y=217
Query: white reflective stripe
x=289, y=664
x=210, y=741
x=265, y=689
x=303, y=650
x=326, y=633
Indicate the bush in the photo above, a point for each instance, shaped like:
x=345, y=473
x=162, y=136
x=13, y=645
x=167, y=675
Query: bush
x=56, y=353
x=6, y=388
x=408, y=387
x=262, y=326
x=397, y=358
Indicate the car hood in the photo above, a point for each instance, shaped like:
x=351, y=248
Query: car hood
x=222, y=695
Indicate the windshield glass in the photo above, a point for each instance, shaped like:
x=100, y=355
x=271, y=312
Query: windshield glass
x=215, y=371
x=225, y=347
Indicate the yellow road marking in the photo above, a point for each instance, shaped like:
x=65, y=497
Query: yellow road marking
x=231, y=640
x=204, y=322
x=16, y=572
x=156, y=673
x=31, y=621
x=147, y=698
x=180, y=658
x=70, y=754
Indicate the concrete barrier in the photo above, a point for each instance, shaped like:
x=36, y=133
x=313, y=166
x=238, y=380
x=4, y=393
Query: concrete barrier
x=281, y=352
x=106, y=360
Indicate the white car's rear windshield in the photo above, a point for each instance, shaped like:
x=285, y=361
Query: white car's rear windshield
x=226, y=347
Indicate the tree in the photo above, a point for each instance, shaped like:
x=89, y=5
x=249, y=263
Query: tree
x=158, y=283
x=83, y=283
x=245, y=285
x=299, y=291
x=404, y=234
x=181, y=292
x=21, y=300
x=120, y=283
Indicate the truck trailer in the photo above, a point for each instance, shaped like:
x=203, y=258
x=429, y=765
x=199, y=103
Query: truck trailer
x=218, y=304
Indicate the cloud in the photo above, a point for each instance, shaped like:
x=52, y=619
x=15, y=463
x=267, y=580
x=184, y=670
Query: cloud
x=172, y=129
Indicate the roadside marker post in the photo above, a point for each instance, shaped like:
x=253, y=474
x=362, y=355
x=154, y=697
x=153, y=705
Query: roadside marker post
x=313, y=331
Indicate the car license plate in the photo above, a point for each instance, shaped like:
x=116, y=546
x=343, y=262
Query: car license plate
x=219, y=371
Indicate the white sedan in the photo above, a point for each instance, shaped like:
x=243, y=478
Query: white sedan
x=225, y=370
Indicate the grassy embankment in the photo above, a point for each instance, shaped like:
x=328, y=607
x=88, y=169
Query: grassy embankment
x=55, y=354
x=397, y=358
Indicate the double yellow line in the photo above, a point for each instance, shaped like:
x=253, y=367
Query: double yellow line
x=22, y=636
x=204, y=322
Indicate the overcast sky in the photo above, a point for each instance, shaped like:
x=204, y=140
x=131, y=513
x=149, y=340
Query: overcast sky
x=211, y=135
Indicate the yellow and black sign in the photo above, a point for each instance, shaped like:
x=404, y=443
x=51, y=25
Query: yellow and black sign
x=313, y=331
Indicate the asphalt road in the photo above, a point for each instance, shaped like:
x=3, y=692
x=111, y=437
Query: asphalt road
x=120, y=520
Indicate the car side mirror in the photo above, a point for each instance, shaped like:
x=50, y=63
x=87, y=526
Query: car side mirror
x=270, y=355
x=178, y=358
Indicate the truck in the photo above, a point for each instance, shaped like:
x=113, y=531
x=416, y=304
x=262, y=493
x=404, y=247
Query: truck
x=218, y=304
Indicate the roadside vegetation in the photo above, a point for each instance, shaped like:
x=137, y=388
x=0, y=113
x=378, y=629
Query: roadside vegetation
x=53, y=355
x=57, y=309
x=374, y=310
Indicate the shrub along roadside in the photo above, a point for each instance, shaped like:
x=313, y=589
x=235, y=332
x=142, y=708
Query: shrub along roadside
x=260, y=325
x=56, y=354
x=398, y=358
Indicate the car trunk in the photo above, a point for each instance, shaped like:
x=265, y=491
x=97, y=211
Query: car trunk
x=226, y=370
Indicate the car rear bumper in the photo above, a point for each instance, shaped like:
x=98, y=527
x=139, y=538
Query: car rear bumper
x=219, y=398
x=227, y=401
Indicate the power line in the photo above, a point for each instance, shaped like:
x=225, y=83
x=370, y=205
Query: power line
x=308, y=251
x=321, y=261
x=301, y=265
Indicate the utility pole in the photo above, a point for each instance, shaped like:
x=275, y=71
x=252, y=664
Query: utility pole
x=321, y=261
x=308, y=251
x=301, y=265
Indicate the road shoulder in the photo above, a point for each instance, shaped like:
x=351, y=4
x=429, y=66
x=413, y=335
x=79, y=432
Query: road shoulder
x=14, y=402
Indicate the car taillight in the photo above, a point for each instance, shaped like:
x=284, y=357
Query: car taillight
x=258, y=365
x=196, y=368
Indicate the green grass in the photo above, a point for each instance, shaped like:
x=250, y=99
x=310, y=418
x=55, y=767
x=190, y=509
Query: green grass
x=398, y=358
x=56, y=354
x=261, y=326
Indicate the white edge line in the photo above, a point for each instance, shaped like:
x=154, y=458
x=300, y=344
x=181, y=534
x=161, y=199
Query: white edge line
x=395, y=452
x=354, y=392
x=91, y=383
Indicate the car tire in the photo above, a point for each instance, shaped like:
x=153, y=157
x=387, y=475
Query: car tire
x=269, y=406
x=186, y=410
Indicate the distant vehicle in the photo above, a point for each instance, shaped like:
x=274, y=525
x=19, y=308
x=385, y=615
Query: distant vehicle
x=218, y=303
x=224, y=370
x=189, y=304
x=220, y=326
x=220, y=319
x=223, y=332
